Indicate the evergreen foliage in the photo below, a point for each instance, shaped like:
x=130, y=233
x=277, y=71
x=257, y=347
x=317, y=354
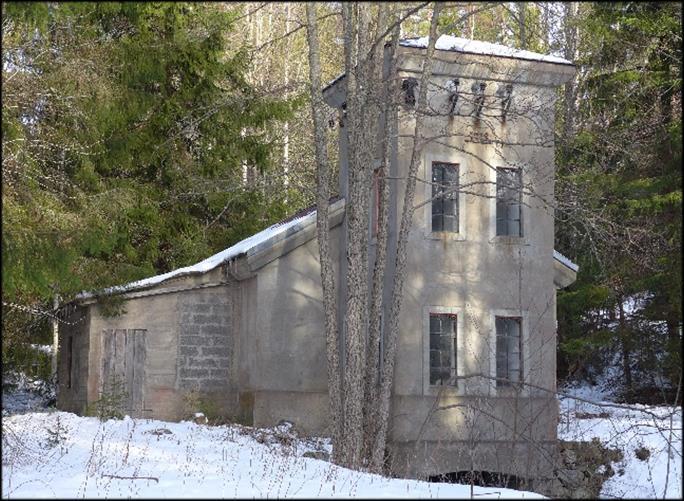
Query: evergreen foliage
x=622, y=172
x=126, y=129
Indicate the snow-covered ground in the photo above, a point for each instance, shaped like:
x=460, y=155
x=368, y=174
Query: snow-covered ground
x=61, y=455
x=52, y=454
x=649, y=437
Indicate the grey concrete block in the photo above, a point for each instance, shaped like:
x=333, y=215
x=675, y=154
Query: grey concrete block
x=215, y=350
x=189, y=350
x=214, y=329
x=200, y=318
x=189, y=330
x=193, y=373
x=220, y=341
x=186, y=340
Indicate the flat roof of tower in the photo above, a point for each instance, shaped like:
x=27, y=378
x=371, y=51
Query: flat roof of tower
x=458, y=44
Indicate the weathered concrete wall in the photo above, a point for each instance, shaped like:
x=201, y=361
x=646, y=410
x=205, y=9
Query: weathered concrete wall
x=189, y=345
x=72, y=364
x=283, y=369
x=477, y=275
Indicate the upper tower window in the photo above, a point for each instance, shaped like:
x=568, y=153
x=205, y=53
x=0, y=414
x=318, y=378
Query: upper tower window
x=444, y=197
x=508, y=202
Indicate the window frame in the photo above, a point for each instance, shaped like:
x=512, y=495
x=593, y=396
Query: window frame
x=456, y=389
x=508, y=382
x=454, y=197
x=498, y=202
x=521, y=388
x=428, y=160
x=452, y=339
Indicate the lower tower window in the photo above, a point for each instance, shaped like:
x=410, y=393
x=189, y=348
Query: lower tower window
x=442, y=349
x=508, y=351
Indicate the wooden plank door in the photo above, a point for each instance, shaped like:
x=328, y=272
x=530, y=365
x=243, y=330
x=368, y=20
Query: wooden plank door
x=123, y=366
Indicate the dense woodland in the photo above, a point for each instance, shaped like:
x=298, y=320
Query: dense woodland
x=141, y=137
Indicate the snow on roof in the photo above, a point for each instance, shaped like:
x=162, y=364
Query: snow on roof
x=560, y=257
x=214, y=261
x=449, y=42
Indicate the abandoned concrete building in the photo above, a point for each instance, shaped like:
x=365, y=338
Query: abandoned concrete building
x=244, y=328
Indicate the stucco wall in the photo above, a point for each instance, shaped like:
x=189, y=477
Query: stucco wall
x=474, y=273
x=189, y=345
x=284, y=371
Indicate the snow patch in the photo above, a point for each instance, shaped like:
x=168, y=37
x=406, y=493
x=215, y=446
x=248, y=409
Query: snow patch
x=566, y=261
x=450, y=42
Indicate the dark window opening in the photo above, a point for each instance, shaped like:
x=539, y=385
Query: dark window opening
x=508, y=351
x=483, y=479
x=408, y=86
x=508, y=202
x=444, y=197
x=442, y=349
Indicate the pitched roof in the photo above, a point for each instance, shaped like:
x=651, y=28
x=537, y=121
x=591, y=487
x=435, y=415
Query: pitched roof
x=458, y=44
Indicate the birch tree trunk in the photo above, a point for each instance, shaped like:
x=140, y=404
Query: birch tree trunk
x=55, y=335
x=323, y=233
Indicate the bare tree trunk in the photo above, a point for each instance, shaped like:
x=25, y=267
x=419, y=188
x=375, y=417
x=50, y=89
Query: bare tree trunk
x=545, y=25
x=521, y=24
x=570, y=95
x=400, y=260
x=286, y=125
x=378, y=281
x=55, y=335
x=626, y=346
x=323, y=232
x=361, y=112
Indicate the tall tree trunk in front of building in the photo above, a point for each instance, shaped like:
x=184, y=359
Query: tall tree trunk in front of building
x=323, y=233
x=378, y=456
x=356, y=228
x=388, y=96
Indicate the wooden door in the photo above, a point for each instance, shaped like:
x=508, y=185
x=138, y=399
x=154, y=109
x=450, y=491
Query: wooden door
x=123, y=367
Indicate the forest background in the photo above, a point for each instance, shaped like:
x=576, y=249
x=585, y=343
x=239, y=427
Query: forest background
x=142, y=137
